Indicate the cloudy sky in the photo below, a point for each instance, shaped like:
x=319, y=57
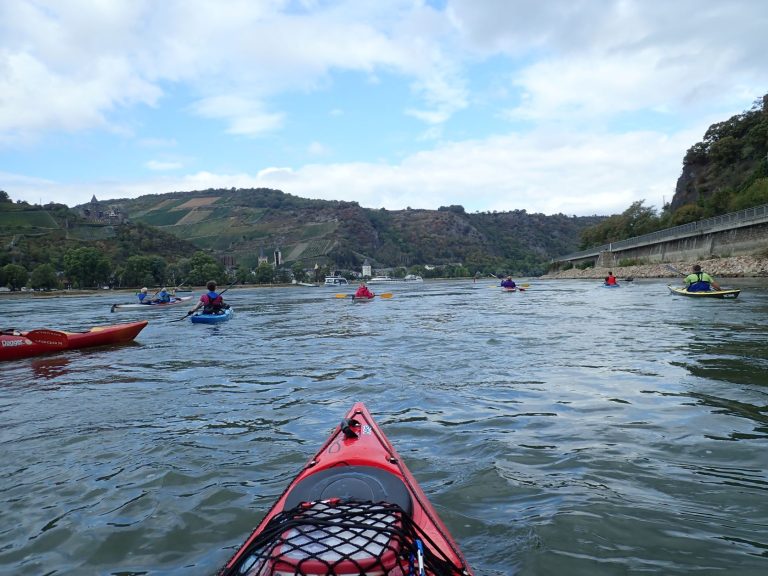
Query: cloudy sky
x=572, y=106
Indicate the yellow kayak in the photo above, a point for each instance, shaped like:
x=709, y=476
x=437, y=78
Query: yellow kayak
x=709, y=294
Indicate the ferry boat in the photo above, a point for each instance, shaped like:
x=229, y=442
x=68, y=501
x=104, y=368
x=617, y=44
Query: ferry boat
x=336, y=281
x=390, y=280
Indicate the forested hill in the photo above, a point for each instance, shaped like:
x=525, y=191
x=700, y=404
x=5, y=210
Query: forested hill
x=726, y=172
x=33, y=235
x=243, y=224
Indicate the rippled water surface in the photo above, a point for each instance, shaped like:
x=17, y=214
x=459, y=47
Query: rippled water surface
x=569, y=429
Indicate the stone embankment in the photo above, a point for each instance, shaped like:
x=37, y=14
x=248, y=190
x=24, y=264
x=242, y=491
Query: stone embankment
x=733, y=267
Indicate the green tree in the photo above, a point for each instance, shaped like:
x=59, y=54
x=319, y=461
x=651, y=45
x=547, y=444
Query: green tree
x=44, y=276
x=283, y=275
x=756, y=194
x=204, y=267
x=14, y=276
x=86, y=267
x=298, y=272
x=265, y=273
x=243, y=274
x=634, y=221
x=687, y=213
x=145, y=271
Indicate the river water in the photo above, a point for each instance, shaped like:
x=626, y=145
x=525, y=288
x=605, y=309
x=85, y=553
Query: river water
x=567, y=430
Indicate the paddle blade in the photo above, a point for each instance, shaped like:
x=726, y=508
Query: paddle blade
x=386, y=295
x=673, y=269
x=341, y=295
x=48, y=337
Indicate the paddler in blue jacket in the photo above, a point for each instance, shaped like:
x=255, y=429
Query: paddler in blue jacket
x=508, y=282
x=143, y=298
x=163, y=297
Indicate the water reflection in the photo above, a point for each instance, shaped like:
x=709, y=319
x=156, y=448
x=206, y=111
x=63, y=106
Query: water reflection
x=50, y=368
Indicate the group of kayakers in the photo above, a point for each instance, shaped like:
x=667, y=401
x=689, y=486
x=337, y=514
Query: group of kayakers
x=697, y=281
x=161, y=297
x=211, y=301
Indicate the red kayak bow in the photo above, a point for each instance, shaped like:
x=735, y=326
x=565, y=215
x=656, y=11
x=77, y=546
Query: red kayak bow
x=353, y=509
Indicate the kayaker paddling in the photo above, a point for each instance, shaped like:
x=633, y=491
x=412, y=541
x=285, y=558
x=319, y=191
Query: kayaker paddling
x=211, y=302
x=700, y=281
x=363, y=292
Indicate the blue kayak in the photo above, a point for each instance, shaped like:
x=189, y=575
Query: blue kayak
x=212, y=318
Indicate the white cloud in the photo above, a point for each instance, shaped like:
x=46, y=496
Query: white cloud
x=68, y=65
x=244, y=116
x=558, y=78
x=570, y=173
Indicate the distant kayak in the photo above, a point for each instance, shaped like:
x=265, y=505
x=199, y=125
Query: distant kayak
x=225, y=315
x=611, y=285
x=709, y=294
x=47, y=341
x=154, y=307
x=507, y=289
x=353, y=509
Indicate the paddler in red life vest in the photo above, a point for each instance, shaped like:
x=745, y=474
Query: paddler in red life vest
x=363, y=292
x=610, y=280
x=211, y=302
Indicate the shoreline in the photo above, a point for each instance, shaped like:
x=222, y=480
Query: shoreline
x=731, y=267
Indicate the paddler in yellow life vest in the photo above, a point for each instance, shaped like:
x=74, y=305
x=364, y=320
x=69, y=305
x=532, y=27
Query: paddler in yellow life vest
x=700, y=281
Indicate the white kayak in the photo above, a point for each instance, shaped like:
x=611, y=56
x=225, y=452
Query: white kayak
x=156, y=306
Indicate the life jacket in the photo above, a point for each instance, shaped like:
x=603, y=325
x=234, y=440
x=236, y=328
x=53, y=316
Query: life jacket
x=212, y=303
x=363, y=292
x=700, y=285
x=611, y=280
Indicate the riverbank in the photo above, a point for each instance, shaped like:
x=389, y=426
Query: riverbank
x=733, y=267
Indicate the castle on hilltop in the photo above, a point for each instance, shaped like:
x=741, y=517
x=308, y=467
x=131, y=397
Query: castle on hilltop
x=94, y=212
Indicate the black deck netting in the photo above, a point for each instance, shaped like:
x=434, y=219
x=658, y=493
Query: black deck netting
x=343, y=537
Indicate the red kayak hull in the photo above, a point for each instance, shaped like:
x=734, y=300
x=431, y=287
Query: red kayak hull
x=369, y=448
x=18, y=346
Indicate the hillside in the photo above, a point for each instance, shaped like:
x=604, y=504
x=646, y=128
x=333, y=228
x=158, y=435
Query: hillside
x=35, y=235
x=241, y=224
x=728, y=170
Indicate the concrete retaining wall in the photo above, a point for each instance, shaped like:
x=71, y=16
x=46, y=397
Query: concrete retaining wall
x=743, y=241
